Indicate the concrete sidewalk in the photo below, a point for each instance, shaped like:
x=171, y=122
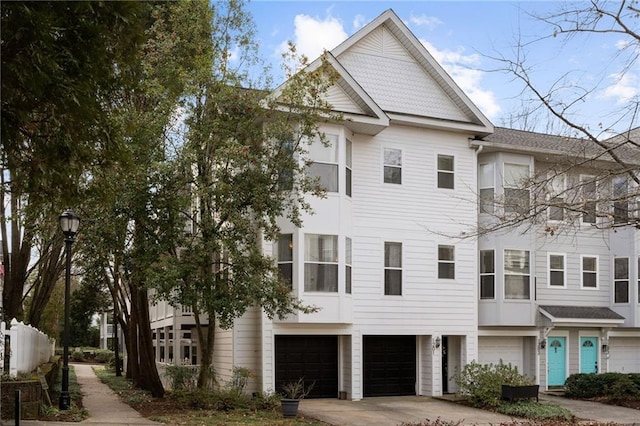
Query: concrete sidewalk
x=104, y=406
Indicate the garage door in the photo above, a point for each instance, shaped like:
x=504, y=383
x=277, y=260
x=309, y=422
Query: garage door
x=313, y=357
x=623, y=354
x=389, y=365
x=508, y=349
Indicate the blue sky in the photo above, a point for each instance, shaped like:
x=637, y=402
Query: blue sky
x=461, y=35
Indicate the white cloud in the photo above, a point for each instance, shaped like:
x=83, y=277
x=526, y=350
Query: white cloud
x=424, y=20
x=313, y=35
x=624, y=88
x=460, y=68
x=359, y=21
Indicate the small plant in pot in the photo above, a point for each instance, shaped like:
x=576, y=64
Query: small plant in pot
x=292, y=393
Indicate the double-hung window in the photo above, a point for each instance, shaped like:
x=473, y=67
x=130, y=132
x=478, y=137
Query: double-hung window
x=517, y=274
x=621, y=202
x=446, y=262
x=321, y=263
x=347, y=175
x=588, y=195
x=392, y=165
x=285, y=257
x=487, y=274
x=445, y=171
x=486, y=187
x=392, y=269
x=557, y=270
x=516, y=191
x=621, y=280
x=347, y=266
x=324, y=162
x=556, y=198
x=589, y=271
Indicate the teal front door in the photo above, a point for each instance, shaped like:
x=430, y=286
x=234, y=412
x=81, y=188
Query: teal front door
x=556, y=361
x=588, y=355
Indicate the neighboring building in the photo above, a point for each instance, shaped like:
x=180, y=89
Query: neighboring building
x=407, y=294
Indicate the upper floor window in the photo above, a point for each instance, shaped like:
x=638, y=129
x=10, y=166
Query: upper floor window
x=557, y=270
x=445, y=171
x=638, y=279
x=486, y=187
x=446, y=262
x=392, y=269
x=285, y=174
x=588, y=195
x=516, y=192
x=620, y=203
x=321, y=263
x=324, y=166
x=556, y=197
x=347, y=266
x=589, y=271
x=285, y=257
x=516, y=274
x=621, y=280
x=487, y=274
x=392, y=165
x=348, y=169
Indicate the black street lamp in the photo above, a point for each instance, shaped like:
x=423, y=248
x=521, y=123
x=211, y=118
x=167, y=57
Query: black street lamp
x=69, y=224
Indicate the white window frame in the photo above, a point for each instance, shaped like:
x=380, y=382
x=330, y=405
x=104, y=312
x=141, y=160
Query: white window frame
x=348, y=269
x=615, y=193
x=513, y=206
x=582, y=271
x=348, y=178
x=277, y=254
x=392, y=268
x=334, y=145
x=505, y=273
x=322, y=261
x=482, y=202
x=563, y=270
x=395, y=166
x=617, y=280
x=584, y=181
x=447, y=261
x=557, y=191
x=487, y=274
x=446, y=172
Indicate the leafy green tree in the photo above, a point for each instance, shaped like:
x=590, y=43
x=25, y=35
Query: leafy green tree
x=242, y=166
x=60, y=63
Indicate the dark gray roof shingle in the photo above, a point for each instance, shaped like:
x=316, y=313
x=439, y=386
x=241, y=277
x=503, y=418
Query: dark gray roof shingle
x=581, y=312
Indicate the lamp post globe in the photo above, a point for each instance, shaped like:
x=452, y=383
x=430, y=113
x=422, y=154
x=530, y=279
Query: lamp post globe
x=69, y=224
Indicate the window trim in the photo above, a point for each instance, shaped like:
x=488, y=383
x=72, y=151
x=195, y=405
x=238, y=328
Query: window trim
x=616, y=207
x=504, y=275
x=582, y=271
x=286, y=262
x=447, y=261
x=384, y=165
x=561, y=182
x=617, y=280
x=335, y=166
x=348, y=168
x=588, y=180
x=451, y=172
x=348, y=265
x=509, y=207
x=564, y=270
x=336, y=263
x=492, y=188
x=487, y=274
x=392, y=268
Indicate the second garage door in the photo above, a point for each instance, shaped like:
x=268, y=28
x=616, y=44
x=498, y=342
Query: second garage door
x=389, y=365
x=313, y=357
x=623, y=353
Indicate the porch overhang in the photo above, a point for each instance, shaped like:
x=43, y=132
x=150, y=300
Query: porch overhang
x=575, y=316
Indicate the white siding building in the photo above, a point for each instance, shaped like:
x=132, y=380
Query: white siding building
x=405, y=295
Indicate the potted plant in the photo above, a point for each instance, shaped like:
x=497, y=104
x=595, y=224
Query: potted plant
x=523, y=388
x=292, y=393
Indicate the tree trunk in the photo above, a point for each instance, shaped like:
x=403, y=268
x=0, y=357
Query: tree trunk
x=52, y=267
x=204, y=376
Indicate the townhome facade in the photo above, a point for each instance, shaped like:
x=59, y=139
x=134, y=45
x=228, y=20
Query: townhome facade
x=408, y=290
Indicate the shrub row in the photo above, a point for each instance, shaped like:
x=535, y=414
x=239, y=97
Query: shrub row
x=608, y=385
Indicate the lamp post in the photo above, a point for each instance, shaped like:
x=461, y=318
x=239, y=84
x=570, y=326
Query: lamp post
x=69, y=224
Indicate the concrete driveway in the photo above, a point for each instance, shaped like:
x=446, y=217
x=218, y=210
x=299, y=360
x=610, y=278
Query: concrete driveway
x=395, y=410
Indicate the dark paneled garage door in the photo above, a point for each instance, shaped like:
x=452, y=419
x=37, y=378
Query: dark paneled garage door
x=389, y=365
x=313, y=357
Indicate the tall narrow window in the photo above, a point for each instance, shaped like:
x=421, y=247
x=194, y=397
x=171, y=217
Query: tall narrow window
x=556, y=198
x=446, y=262
x=392, y=269
x=589, y=271
x=638, y=280
x=516, y=192
x=620, y=203
x=285, y=257
x=324, y=166
x=556, y=270
x=487, y=274
x=516, y=274
x=347, y=266
x=321, y=263
x=445, y=171
x=392, y=166
x=285, y=176
x=621, y=280
x=486, y=187
x=348, y=169
x=588, y=189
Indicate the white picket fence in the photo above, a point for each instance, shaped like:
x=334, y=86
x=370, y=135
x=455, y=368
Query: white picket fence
x=28, y=347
